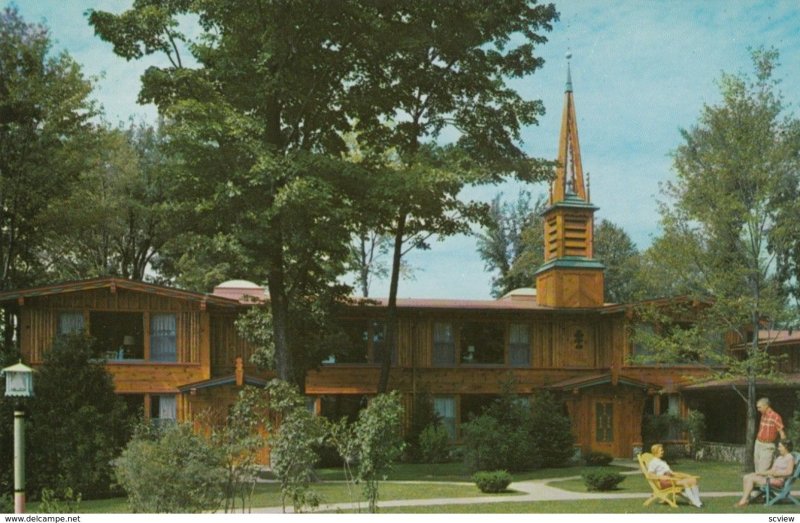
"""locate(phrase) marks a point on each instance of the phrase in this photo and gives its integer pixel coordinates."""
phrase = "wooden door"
(603, 425)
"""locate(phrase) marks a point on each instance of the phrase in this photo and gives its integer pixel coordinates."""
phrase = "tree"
(117, 216)
(512, 242)
(730, 169)
(259, 125)
(78, 425)
(616, 250)
(444, 65)
(45, 113)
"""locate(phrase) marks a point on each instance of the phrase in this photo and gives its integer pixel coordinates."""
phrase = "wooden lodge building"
(174, 353)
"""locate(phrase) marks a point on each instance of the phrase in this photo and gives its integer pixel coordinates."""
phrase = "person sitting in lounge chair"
(782, 468)
(660, 468)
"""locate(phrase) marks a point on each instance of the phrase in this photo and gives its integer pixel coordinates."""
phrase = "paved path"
(534, 490)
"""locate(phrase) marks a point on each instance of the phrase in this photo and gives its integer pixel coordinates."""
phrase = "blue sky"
(641, 71)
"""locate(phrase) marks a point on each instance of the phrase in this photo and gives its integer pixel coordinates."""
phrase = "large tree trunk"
(279, 305)
(391, 310)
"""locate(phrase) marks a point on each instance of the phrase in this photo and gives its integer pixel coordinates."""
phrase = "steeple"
(570, 277)
(569, 173)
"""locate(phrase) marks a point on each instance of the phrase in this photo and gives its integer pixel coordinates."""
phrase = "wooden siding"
(227, 345)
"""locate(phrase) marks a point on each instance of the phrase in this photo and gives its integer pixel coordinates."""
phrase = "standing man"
(771, 425)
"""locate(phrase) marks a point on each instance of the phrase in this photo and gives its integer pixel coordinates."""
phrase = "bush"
(177, 472)
(77, 424)
(66, 503)
(434, 444)
(423, 415)
(492, 482)
(552, 438)
(602, 481)
(597, 459)
(491, 445)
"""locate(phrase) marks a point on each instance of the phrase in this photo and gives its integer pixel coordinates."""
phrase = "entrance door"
(603, 425)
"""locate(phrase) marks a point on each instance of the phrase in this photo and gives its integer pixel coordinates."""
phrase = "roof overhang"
(221, 382)
(787, 381)
(596, 380)
(113, 284)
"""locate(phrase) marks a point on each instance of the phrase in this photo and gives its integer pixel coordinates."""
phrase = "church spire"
(570, 276)
(569, 172)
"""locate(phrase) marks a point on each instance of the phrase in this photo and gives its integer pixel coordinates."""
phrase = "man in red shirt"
(768, 430)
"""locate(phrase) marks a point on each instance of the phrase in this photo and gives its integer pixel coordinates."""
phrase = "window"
(604, 422)
(379, 344)
(482, 343)
(578, 339)
(444, 347)
(120, 334)
(519, 345)
(70, 322)
(163, 337)
(445, 408)
(362, 342)
(163, 410)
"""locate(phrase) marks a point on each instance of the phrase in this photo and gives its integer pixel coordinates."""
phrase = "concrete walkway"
(534, 490)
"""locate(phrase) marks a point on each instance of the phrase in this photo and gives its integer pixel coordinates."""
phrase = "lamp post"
(19, 384)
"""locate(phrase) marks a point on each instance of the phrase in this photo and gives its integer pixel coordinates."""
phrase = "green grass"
(714, 477)
(603, 506)
(268, 495)
(456, 472)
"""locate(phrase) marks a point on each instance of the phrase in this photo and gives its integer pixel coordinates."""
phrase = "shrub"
(602, 480)
(78, 425)
(597, 459)
(551, 433)
(491, 445)
(66, 503)
(423, 415)
(6, 503)
(179, 471)
(434, 444)
(492, 482)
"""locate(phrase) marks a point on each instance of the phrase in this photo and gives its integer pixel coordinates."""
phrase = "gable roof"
(594, 380)
(113, 284)
(221, 381)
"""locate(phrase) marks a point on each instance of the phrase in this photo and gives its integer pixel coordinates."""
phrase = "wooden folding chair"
(773, 494)
(667, 494)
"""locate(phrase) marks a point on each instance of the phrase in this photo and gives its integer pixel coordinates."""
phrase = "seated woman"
(781, 469)
(660, 468)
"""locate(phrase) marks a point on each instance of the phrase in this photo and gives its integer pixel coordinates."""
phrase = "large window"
(163, 337)
(120, 334)
(482, 343)
(364, 341)
(70, 322)
(519, 345)
(445, 408)
(444, 346)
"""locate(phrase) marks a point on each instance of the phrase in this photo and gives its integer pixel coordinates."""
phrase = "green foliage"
(513, 434)
(512, 243)
(45, 115)
(434, 444)
(240, 440)
(551, 433)
(793, 427)
(293, 445)
(78, 425)
(65, 503)
(6, 503)
(621, 258)
(378, 442)
(179, 472)
(492, 482)
(119, 204)
(423, 415)
(602, 481)
(597, 459)
(695, 425)
(727, 226)
(658, 428)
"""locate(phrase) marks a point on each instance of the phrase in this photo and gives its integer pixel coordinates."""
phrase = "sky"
(641, 71)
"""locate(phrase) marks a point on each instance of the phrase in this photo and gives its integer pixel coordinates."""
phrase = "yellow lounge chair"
(667, 494)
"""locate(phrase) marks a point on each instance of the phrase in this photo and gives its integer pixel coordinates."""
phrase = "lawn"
(714, 477)
(268, 495)
(604, 506)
